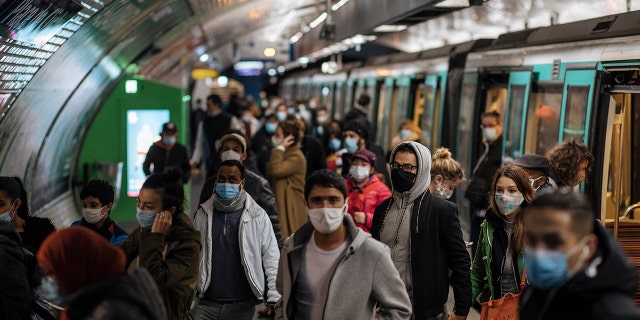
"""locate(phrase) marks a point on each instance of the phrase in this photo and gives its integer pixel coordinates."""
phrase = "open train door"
(515, 117)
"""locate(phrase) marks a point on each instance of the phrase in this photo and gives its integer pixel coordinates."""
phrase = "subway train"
(573, 81)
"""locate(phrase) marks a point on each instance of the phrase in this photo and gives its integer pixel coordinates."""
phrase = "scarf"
(230, 205)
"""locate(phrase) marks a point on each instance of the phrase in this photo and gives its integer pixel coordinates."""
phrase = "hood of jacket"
(423, 178)
(614, 273)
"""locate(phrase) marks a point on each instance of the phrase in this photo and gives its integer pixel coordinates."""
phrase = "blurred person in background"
(313, 151)
(210, 130)
(261, 144)
(286, 172)
(246, 123)
(570, 162)
(167, 153)
(537, 168)
(356, 137)
(15, 296)
(97, 201)
(365, 191)
(446, 174)
(166, 244)
(85, 274)
(333, 149)
(14, 208)
(409, 131)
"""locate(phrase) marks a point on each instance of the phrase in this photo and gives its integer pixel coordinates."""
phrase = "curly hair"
(520, 177)
(292, 127)
(565, 160)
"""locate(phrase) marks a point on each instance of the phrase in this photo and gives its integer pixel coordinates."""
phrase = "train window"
(575, 113)
(543, 119)
(496, 100)
(465, 125)
(426, 119)
(514, 131)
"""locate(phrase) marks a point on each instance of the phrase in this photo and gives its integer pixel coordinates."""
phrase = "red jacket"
(366, 199)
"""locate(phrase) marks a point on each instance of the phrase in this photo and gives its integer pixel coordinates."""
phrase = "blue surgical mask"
(281, 115)
(145, 217)
(270, 127)
(6, 217)
(351, 144)
(168, 140)
(335, 144)
(508, 203)
(227, 190)
(549, 268)
(404, 133)
(50, 291)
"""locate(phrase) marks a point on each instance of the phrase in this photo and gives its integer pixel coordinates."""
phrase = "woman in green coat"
(497, 265)
(166, 244)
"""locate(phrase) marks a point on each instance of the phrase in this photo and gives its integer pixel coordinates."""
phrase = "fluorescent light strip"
(338, 5)
(318, 20)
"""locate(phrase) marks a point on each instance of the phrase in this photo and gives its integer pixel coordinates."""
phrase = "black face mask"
(401, 180)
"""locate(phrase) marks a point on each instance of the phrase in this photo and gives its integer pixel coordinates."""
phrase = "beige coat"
(286, 172)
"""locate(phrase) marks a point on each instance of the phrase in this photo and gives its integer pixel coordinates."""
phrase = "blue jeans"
(219, 310)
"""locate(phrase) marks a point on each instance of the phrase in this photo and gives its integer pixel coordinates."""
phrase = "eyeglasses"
(404, 167)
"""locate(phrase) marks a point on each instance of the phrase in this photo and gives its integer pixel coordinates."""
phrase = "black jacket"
(36, 230)
(355, 114)
(314, 152)
(15, 294)
(162, 158)
(480, 185)
(261, 150)
(608, 295)
(260, 190)
(436, 248)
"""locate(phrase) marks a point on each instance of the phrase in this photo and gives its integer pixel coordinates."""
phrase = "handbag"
(505, 308)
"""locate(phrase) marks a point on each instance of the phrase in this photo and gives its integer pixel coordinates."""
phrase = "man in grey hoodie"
(424, 235)
(331, 269)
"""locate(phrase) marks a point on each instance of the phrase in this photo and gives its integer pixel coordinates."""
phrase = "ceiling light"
(269, 52)
(281, 69)
(271, 72)
(389, 28)
(303, 60)
(204, 57)
(223, 81)
(318, 20)
(295, 38)
(338, 5)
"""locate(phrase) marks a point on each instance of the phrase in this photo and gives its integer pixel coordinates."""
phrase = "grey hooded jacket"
(363, 279)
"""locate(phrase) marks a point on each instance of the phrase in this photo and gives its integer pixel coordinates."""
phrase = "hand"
(162, 222)
(269, 311)
(287, 141)
(453, 316)
(359, 217)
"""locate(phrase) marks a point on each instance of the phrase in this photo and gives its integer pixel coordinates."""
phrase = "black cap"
(169, 128)
(533, 161)
(358, 126)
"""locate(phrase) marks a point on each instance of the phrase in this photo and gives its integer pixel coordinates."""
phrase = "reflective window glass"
(514, 130)
(543, 119)
(575, 113)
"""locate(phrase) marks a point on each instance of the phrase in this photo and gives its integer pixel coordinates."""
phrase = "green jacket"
(172, 261)
(483, 277)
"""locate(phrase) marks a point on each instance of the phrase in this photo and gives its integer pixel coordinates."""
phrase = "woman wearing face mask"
(365, 191)
(86, 275)
(14, 209)
(446, 174)
(166, 243)
(409, 131)
(286, 171)
(497, 266)
(333, 147)
(97, 200)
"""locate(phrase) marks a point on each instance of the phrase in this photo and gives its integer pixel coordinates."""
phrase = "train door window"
(622, 167)
(395, 115)
(575, 113)
(338, 98)
(428, 115)
(543, 119)
(465, 121)
(438, 104)
(513, 132)
(419, 105)
(379, 122)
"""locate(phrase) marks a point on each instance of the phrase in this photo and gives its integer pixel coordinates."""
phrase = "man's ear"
(243, 157)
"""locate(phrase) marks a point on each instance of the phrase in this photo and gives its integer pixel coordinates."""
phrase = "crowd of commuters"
(304, 214)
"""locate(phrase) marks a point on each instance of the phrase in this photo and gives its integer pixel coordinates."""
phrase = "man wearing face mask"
(246, 123)
(97, 200)
(261, 144)
(575, 269)
(167, 153)
(241, 250)
(233, 147)
(484, 170)
(356, 137)
(211, 129)
(424, 235)
(329, 261)
(364, 188)
(537, 167)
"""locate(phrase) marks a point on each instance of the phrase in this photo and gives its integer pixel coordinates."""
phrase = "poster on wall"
(143, 129)
(35, 21)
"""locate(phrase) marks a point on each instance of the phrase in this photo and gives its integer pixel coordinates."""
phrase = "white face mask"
(443, 192)
(230, 155)
(490, 134)
(93, 215)
(359, 173)
(326, 220)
